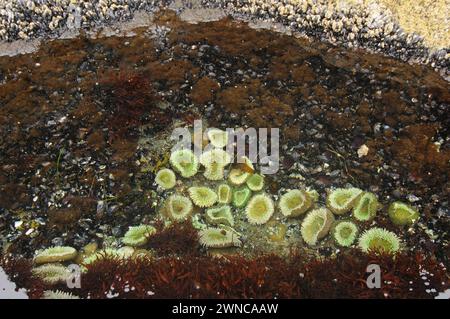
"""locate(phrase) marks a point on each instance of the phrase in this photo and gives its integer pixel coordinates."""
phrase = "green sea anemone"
(402, 214)
(295, 203)
(241, 196)
(345, 233)
(166, 178)
(366, 207)
(218, 138)
(255, 182)
(379, 240)
(184, 162)
(202, 196)
(213, 237)
(51, 274)
(58, 294)
(224, 194)
(197, 223)
(55, 254)
(138, 235)
(316, 225)
(259, 209)
(220, 215)
(106, 253)
(178, 207)
(342, 200)
(214, 162)
(237, 176)
(313, 194)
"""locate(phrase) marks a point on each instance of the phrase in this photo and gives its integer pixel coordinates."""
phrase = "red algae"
(263, 277)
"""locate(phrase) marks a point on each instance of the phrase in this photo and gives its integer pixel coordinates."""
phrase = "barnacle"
(202, 196)
(166, 178)
(215, 161)
(184, 162)
(55, 254)
(259, 209)
(366, 207)
(345, 233)
(224, 194)
(295, 202)
(241, 196)
(255, 182)
(178, 207)
(218, 138)
(402, 214)
(218, 237)
(379, 240)
(342, 200)
(316, 225)
(138, 235)
(220, 215)
(51, 273)
(58, 294)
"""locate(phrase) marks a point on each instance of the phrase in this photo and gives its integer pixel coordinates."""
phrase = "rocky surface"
(407, 31)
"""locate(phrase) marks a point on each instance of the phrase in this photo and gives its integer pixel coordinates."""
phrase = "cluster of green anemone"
(227, 189)
(363, 207)
(240, 187)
